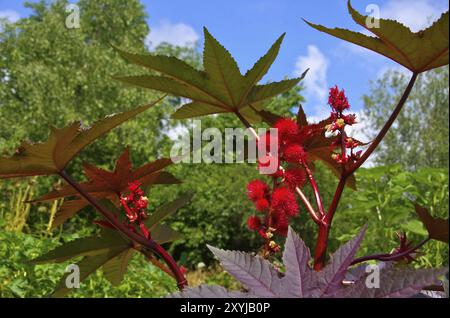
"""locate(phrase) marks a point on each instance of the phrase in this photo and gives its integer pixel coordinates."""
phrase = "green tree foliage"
(420, 136)
(53, 75)
(385, 201)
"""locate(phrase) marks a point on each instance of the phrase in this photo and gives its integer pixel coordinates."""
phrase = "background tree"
(420, 135)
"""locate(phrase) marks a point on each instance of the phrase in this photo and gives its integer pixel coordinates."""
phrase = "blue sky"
(248, 28)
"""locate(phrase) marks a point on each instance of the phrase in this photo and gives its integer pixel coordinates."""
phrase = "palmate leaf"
(63, 144)
(220, 88)
(437, 228)
(106, 184)
(261, 279)
(88, 246)
(254, 272)
(87, 266)
(417, 51)
(331, 277)
(109, 252)
(394, 283)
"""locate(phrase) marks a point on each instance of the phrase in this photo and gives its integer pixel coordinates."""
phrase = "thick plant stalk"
(146, 243)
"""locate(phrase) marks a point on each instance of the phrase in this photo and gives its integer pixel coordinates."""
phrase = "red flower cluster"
(135, 205)
(337, 100)
(338, 103)
(279, 204)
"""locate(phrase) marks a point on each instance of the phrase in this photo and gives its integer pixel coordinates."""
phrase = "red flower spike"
(295, 177)
(337, 99)
(257, 189)
(262, 205)
(254, 223)
(287, 130)
(294, 154)
(349, 119)
(284, 202)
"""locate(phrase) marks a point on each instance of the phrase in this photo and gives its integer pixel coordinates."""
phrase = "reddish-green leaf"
(417, 51)
(52, 156)
(437, 228)
(104, 184)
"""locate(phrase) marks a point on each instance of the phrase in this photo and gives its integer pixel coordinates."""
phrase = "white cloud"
(179, 34)
(10, 15)
(316, 85)
(415, 14)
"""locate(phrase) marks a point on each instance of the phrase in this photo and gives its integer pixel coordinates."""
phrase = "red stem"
(147, 243)
(315, 190)
(389, 257)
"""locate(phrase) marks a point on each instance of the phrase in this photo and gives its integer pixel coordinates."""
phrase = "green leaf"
(115, 268)
(89, 246)
(63, 144)
(263, 92)
(225, 78)
(168, 85)
(87, 266)
(220, 88)
(164, 234)
(256, 73)
(415, 226)
(196, 109)
(166, 210)
(417, 51)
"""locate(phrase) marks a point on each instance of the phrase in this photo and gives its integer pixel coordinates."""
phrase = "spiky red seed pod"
(262, 205)
(254, 223)
(287, 129)
(284, 202)
(295, 177)
(256, 190)
(337, 99)
(294, 153)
